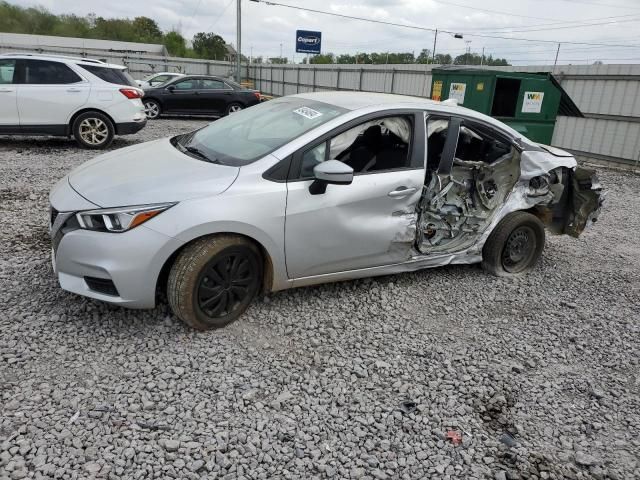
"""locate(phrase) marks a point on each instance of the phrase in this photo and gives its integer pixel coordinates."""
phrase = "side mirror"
(171, 88)
(330, 172)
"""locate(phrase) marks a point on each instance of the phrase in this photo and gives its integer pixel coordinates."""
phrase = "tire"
(514, 246)
(234, 108)
(93, 130)
(198, 276)
(152, 109)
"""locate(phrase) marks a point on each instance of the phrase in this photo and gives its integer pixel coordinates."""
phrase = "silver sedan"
(307, 189)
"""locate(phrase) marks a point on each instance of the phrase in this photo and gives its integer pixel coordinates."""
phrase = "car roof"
(206, 76)
(362, 100)
(62, 58)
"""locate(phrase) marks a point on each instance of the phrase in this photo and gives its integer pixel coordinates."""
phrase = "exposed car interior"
(381, 144)
(378, 145)
(462, 197)
(473, 145)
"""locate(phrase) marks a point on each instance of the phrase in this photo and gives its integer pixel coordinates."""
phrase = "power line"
(219, 16)
(426, 29)
(567, 22)
(610, 5)
(491, 11)
(195, 10)
(598, 24)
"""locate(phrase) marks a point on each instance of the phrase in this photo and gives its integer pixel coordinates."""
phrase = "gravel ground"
(361, 379)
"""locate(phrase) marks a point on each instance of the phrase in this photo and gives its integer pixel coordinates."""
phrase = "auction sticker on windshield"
(307, 112)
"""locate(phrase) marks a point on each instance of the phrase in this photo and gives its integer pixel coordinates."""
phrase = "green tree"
(114, 29)
(345, 58)
(476, 59)
(147, 30)
(278, 60)
(38, 21)
(209, 45)
(443, 59)
(424, 56)
(175, 43)
(322, 58)
(72, 26)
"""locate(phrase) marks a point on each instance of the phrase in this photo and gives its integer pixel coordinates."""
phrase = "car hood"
(151, 172)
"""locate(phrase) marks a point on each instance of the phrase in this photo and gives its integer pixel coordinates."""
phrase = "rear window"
(235, 85)
(111, 75)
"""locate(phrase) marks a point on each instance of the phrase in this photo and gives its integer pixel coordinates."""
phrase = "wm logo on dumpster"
(534, 96)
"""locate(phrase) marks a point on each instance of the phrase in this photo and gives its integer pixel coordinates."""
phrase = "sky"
(266, 29)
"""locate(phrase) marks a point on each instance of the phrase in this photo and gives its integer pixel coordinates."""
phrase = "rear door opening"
(471, 170)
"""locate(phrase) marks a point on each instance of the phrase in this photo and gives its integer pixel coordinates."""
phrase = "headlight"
(119, 219)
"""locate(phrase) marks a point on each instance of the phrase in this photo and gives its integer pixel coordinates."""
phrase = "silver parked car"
(308, 189)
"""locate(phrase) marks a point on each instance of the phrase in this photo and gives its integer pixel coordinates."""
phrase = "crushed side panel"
(457, 208)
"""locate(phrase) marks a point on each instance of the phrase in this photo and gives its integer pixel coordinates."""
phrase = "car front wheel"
(514, 246)
(213, 281)
(93, 130)
(152, 109)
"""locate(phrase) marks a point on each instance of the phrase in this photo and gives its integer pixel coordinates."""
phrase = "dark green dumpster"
(527, 102)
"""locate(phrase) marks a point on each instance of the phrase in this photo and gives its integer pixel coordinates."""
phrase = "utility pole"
(556, 60)
(435, 39)
(482, 59)
(280, 53)
(238, 46)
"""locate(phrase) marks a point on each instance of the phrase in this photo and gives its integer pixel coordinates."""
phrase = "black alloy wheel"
(227, 282)
(214, 279)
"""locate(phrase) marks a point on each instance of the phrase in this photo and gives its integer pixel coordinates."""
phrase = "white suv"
(64, 96)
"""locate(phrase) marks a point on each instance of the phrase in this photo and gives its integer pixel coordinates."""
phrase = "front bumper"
(131, 260)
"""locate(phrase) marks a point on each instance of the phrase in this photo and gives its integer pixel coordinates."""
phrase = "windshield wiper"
(197, 152)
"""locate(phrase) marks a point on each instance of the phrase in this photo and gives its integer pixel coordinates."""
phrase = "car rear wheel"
(93, 130)
(234, 108)
(152, 109)
(514, 246)
(213, 281)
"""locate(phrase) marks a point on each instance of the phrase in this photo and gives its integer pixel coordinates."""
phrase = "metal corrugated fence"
(139, 64)
(608, 96)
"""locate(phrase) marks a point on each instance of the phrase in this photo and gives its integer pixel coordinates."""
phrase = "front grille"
(63, 223)
(102, 285)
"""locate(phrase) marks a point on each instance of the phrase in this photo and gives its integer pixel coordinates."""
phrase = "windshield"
(246, 136)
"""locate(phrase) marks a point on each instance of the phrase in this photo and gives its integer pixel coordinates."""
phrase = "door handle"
(73, 90)
(6, 90)
(402, 192)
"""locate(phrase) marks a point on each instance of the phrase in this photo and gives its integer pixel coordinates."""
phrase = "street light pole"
(556, 60)
(238, 45)
(435, 39)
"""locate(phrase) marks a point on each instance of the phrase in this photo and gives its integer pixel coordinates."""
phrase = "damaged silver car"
(308, 189)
